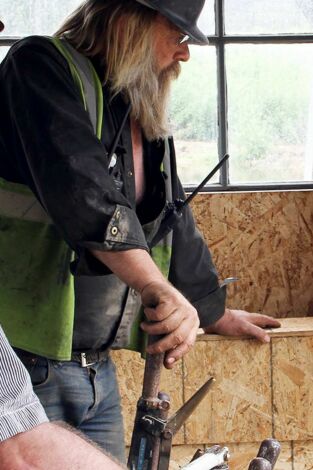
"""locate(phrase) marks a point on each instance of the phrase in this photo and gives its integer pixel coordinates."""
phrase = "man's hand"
(175, 318)
(242, 323)
(172, 316)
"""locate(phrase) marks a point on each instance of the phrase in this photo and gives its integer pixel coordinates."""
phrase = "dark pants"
(85, 397)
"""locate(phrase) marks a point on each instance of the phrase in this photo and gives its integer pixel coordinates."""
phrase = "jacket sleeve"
(192, 270)
(59, 157)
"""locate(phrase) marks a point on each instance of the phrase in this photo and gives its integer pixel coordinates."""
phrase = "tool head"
(182, 13)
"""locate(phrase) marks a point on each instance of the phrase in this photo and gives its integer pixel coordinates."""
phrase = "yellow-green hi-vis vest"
(36, 286)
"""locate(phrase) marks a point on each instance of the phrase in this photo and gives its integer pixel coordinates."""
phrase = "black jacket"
(47, 142)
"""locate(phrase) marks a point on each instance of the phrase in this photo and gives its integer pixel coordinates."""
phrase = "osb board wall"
(261, 390)
(265, 239)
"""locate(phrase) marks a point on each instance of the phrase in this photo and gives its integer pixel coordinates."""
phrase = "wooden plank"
(239, 405)
(303, 455)
(302, 326)
(292, 360)
(130, 369)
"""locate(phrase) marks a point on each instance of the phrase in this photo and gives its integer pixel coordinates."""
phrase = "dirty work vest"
(36, 287)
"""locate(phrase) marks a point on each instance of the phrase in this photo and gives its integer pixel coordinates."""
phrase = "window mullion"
(221, 90)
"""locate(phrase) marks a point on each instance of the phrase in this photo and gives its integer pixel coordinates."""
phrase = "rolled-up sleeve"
(192, 270)
(59, 156)
(20, 409)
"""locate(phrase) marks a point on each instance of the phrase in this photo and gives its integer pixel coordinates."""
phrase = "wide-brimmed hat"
(183, 13)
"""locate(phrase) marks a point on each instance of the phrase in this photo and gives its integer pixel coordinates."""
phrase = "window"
(249, 94)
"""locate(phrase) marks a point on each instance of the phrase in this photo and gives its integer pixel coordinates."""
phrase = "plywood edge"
(289, 327)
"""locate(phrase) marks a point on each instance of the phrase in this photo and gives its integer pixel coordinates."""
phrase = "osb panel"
(238, 408)
(130, 369)
(265, 239)
(303, 455)
(242, 454)
(292, 388)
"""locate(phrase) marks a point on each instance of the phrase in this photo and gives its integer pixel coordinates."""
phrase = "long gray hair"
(120, 33)
(109, 29)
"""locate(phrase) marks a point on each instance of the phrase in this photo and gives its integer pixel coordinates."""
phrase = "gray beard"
(149, 97)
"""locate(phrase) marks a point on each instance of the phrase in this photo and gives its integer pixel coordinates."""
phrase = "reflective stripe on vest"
(22, 206)
(86, 80)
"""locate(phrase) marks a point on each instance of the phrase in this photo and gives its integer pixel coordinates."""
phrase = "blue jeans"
(85, 397)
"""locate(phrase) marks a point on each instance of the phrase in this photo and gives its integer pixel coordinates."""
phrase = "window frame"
(219, 41)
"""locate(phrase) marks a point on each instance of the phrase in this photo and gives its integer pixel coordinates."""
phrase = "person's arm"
(27, 440)
(20, 409)
(193, 272)
(52, 447)
(54, 151)
(174, 316)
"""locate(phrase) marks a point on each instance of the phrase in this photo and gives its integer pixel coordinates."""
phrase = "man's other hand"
(171, 316)
(242, 323)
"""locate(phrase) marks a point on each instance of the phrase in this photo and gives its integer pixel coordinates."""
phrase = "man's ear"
(1, 26)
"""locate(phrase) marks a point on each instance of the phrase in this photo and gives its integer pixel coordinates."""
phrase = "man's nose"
(182, 54)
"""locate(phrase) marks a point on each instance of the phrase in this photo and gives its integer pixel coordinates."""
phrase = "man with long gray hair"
(88, 159)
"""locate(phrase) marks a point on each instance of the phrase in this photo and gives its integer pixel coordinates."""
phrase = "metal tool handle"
(152, 373)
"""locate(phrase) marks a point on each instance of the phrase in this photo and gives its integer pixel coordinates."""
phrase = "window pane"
(22, 18)
(206, 20)
(268, 16)
(3, 52)
(194, 115)
(270, 96)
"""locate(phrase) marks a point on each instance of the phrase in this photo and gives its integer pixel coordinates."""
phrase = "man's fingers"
(171, 341)
(266, 321)
(161, 312)
(163, 327)
(256, 332)
(171, 357)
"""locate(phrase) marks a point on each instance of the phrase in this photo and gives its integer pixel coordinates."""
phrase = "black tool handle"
(204, 182)
(175, 209)
(270, 450)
